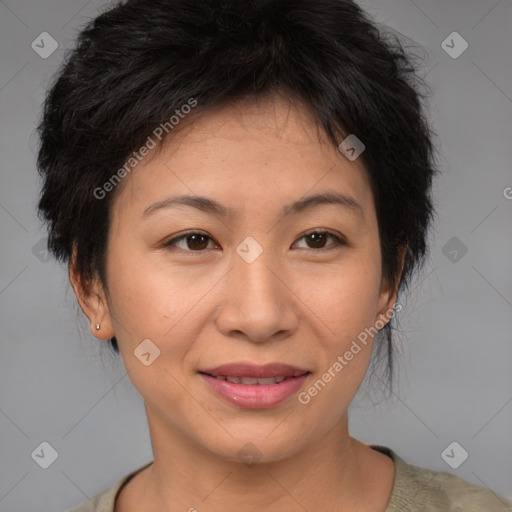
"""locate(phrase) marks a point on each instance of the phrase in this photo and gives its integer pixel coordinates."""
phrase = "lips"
(250, 374)
(261, 395)
(250, 386)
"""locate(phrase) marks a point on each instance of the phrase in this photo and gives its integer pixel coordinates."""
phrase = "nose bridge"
(258, 303)
(254, 275)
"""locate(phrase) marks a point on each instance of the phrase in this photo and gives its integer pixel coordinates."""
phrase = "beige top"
(415, 489)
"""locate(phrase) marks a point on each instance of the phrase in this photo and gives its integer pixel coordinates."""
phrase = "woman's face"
(250, 287)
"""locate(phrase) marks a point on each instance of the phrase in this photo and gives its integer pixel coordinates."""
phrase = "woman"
(240, 191)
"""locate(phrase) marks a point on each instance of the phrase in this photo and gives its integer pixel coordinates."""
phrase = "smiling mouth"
(254, 381)
(255, 387)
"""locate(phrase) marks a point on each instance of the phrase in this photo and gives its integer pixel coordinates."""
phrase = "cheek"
(345, 297)
(164, 304)
(347, 305)
(346, 302)
(146, 300)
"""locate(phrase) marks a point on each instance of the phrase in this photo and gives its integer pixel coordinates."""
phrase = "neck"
(329, 474)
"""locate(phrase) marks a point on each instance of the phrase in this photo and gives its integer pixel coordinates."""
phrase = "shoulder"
(105, 501)
(429, 490)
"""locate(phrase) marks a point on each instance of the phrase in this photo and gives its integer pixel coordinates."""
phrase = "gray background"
(59, 385)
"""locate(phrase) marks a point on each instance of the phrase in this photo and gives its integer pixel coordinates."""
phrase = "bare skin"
(373, 476)
(298, 303)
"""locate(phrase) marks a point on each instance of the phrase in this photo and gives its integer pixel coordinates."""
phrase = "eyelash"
(339, 240)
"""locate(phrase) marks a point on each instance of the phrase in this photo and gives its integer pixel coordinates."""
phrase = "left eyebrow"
(211, 206)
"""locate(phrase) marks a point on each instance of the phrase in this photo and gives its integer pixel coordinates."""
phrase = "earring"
(97, 327)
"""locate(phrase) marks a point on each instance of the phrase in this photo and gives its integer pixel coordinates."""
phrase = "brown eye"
(317, 239)
(194, 241)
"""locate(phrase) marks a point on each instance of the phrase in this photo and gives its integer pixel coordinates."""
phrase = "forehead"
(252, 153)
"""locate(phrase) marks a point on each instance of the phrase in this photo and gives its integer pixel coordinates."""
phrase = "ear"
(93, 302)
(389, 293)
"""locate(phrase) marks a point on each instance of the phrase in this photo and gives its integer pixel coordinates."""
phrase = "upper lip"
(252, 370)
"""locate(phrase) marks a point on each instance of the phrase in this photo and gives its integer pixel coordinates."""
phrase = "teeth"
(251, 381)
(269, 380)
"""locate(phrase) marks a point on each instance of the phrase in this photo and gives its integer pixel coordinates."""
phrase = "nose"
(258, 302)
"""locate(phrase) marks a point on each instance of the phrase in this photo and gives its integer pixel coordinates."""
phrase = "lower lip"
(255, 396)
